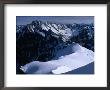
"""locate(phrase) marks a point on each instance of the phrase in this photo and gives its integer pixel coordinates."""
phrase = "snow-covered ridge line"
(79, 57)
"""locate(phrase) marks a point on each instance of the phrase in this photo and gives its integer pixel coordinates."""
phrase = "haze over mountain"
(23, 20)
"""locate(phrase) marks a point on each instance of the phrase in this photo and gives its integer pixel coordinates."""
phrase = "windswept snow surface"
(72, 57)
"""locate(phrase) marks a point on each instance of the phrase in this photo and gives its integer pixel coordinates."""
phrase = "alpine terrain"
(53, 48)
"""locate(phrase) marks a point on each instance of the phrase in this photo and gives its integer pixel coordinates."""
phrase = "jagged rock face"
(34, 46)
(41, 40)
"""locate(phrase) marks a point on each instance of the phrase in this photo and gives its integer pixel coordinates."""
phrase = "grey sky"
(23, 20)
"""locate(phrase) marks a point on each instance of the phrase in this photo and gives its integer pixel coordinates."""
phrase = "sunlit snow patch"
(61, 69)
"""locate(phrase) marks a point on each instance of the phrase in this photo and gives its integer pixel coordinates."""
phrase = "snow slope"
(72, 57)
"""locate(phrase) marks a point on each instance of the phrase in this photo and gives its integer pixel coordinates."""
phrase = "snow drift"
(72, 57)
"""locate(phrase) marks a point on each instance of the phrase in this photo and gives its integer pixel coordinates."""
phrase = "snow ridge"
(78, 58)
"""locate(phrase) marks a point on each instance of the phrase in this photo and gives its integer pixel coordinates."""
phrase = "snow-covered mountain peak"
(60, 29)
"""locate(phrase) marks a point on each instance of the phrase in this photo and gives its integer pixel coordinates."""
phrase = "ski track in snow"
(68, 59)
